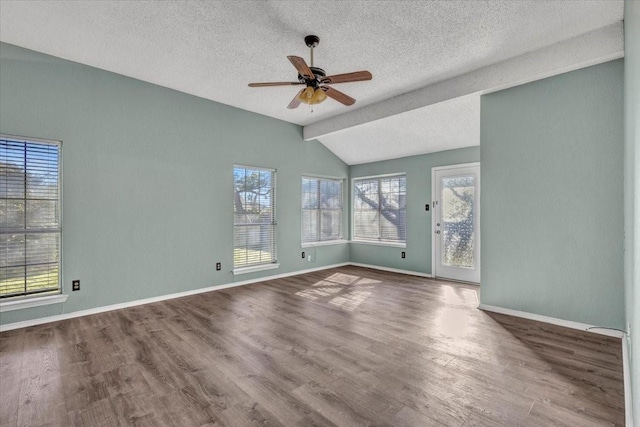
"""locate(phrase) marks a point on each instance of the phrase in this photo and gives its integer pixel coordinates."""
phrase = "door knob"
(437, 231)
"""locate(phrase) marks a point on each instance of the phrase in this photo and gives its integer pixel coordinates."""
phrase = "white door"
(456, 222)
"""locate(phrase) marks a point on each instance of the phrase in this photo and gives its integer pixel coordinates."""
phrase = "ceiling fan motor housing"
(318, 72)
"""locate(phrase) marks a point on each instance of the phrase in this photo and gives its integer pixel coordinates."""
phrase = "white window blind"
(379, 209)
(321, 209)
(30, 217)
(254, 213)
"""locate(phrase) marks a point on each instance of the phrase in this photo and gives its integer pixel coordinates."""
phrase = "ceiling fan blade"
(295, 102)
(301, 66)
(338, 96)
(275, 84)
(357, 76)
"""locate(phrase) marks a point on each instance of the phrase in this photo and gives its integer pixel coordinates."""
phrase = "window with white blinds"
(254, 213)
(30, 217)
(379, 209)
(321, 209)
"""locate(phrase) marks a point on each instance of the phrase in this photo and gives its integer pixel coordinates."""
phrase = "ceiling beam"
(591, 48)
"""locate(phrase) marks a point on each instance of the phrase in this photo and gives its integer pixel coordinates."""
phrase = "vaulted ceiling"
(430, 60)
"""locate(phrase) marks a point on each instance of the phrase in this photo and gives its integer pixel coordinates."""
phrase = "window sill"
(254, 268)
(324, 243)
(374, 243)
(32, 302)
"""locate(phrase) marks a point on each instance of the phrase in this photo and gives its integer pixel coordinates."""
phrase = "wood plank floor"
(341, 347)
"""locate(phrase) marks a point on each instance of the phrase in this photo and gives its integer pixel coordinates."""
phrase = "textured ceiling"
(213, 49)
(443, 126)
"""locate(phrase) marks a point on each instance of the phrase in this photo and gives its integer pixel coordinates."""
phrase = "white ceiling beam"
(592, 48)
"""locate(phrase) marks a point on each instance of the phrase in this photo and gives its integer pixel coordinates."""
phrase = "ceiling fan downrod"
(312, 41)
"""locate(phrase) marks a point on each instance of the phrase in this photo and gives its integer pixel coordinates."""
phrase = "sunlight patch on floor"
(345, 291)
(452, 322)
(344, 279)
(457, 296)
(351, 300)
(316, 293)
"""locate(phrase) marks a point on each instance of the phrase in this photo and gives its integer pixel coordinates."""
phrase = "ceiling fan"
(316, 81)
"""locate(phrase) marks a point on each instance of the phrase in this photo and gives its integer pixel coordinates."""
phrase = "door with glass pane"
(456, 222)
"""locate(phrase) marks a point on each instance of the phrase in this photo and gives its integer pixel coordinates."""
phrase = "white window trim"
(341, 240)
(353, 213)
(274, 264)
(325, 243)
(379, 243)
(254, 268)
(383, 175)
(20, 302)
(28, 302)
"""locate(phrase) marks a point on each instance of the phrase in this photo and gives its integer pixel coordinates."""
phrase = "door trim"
(433, 215)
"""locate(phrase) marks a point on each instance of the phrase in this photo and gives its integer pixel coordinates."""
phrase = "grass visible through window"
(36, 282)
(250, 256)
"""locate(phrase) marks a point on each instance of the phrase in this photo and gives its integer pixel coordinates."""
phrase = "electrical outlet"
(218, 266)
(75, 285)
(303, 255)
(309, 258)
(404, 254)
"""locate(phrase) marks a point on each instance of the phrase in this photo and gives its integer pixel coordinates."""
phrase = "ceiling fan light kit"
(316, 80)
(312, 96)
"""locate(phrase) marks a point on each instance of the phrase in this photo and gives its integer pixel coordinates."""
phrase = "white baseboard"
(392, 270)
(49, 319)
(485, 307)
(626, 371)
(553, 321)
(56, 318)
(582, 327)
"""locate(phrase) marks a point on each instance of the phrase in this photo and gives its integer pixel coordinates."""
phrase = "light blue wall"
(552, 197)
(632, 190)
(148, 196)
(418, 170)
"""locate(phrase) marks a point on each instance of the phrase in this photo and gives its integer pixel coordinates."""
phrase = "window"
(30, 217)
(379, 209)
(254, 213)
(321, 209)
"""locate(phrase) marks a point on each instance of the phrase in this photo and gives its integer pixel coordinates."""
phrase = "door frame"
(434, 189)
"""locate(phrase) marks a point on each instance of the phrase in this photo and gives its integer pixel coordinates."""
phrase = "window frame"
(34, 299)
(273, 263)
(379, 241)
(319, 210)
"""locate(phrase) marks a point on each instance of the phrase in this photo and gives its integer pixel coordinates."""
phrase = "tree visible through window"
(29, 217)
(321, 209)
(457, 221)
(254, 226)
(379, 209)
